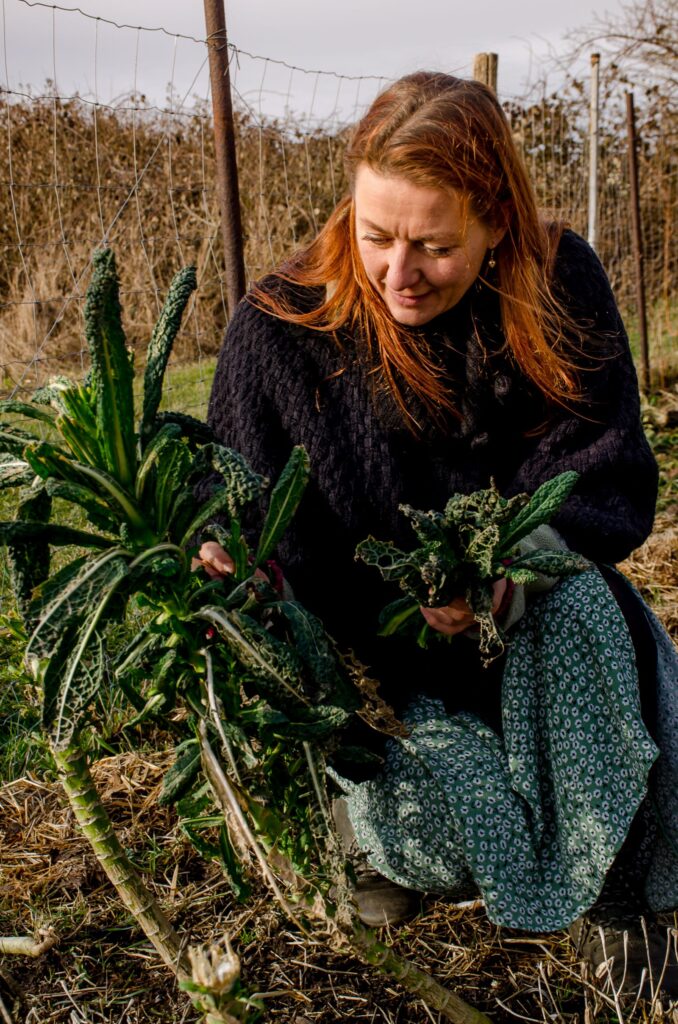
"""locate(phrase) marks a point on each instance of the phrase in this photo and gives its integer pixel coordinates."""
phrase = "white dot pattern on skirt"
(534, 821)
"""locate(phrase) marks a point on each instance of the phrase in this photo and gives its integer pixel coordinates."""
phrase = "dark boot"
(635, 957)
(379, 901)
(626, 945)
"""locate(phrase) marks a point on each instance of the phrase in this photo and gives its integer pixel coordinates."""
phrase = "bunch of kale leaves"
(463, 550)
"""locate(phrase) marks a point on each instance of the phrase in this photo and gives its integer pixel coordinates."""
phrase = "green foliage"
(464, 550)
(160, 347)
(259, 669)
(112, 372)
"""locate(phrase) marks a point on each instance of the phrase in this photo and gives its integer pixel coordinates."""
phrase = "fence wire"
(78, 171)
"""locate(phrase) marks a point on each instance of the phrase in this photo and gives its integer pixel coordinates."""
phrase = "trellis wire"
(146, 186)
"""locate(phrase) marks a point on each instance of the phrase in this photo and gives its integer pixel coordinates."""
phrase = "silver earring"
(491, 261)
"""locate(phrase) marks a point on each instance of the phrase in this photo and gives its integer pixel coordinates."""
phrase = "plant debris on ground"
(102, 969)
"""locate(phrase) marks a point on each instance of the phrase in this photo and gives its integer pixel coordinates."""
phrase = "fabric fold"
(534, 821)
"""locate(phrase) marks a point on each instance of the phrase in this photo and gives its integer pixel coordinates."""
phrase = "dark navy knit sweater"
(277, 385)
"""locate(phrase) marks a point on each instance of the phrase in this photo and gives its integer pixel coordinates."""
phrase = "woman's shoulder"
(582, 284)
(259, 303)
(255, 322)
(260, 340)
(576, 262)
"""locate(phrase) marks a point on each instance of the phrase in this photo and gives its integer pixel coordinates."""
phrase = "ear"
(497, 235)
(499, 226)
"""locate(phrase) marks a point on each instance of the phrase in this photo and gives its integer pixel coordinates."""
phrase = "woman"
(437, 334)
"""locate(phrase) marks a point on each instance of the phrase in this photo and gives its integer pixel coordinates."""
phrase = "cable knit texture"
(278, 385)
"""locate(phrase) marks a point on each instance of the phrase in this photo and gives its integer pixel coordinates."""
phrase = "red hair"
(447, 133)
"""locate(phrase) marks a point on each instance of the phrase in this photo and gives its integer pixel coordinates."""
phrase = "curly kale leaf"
(464, 550)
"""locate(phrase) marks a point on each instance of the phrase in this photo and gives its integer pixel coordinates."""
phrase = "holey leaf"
(276, 665)
(97, 579)
(79, 678)
(242, 484)
(314, 647)
(70, 683)
(285, 499)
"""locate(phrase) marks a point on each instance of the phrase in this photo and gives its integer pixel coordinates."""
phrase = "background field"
(73, 173)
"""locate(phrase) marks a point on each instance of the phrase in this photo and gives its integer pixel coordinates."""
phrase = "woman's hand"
(216, 562)
(457, 616)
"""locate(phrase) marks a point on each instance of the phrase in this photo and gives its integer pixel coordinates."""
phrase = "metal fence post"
(485, 66)
(593, 150)
(636, 230)
(224, 138)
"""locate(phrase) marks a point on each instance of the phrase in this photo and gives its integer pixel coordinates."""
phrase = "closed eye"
(436, 250)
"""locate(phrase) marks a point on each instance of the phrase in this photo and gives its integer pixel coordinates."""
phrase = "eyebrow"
(450, 239)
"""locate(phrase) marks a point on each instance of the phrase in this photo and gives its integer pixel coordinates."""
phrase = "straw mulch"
(102, 969)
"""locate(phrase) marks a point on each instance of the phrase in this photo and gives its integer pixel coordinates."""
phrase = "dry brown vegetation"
(100, 969)
(74, 174)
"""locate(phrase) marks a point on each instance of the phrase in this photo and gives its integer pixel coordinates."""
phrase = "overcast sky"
(384, 38)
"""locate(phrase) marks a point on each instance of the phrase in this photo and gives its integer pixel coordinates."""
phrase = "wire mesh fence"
(77, 171)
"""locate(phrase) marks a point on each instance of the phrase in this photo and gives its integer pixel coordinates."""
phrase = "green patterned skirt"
(533, 821)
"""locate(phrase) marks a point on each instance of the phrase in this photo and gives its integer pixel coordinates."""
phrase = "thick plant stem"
(96, 825)
(361, 939)
(413, 979)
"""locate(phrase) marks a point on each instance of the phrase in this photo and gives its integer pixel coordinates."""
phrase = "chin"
(412, 317)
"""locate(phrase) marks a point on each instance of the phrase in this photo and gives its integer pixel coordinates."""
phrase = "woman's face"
(422, 248)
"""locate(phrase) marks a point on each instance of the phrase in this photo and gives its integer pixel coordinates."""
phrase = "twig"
(4, 1012)
(26, 945)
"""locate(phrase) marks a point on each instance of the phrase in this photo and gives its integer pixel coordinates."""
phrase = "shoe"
(635, 956)
(378, 900)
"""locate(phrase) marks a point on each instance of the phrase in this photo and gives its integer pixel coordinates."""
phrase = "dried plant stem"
(223, 791)
(96, 826)
(363, 941)
(26, 945)
(414, 980)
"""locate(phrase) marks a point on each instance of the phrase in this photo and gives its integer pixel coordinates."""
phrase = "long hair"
(435, 130)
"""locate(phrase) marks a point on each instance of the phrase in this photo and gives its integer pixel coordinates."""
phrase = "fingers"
(457, 616)
(450, 620)
(214, 560)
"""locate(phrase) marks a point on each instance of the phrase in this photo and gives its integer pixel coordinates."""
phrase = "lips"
(409, 300)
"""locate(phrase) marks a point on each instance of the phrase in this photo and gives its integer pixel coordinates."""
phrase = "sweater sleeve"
(611, 510)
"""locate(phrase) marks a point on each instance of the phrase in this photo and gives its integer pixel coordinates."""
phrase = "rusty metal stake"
(224, 139)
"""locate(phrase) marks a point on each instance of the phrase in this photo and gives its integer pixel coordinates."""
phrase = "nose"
(403, 267)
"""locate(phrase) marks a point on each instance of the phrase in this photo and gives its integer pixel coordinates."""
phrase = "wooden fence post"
(224, 138)
(485, 69)
(636, 230)
(593, 150)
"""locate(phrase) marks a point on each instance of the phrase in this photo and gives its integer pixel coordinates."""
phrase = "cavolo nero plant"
(464, 550)
(247, 680)
(257, 671)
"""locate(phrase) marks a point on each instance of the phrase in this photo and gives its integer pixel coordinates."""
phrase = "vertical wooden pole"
(636, 228)
(593, 150)
(485, 66)
(224, 137)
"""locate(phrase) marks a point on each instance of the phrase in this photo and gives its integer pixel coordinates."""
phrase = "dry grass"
(101, 969)
(146, 182)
